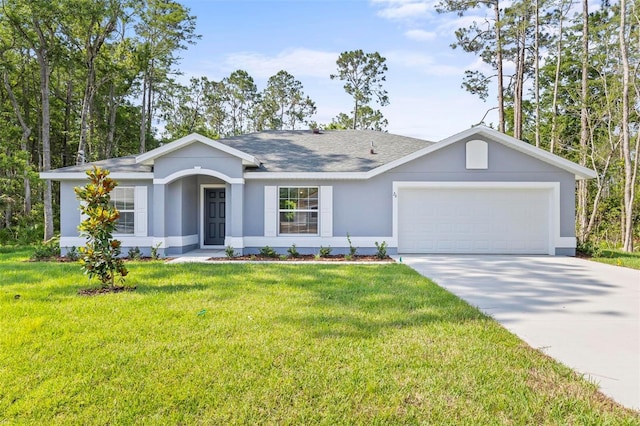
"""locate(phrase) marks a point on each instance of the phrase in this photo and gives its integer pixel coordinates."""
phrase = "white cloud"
(404, 11)
(298, 62)
(422, 62)
(420, 35)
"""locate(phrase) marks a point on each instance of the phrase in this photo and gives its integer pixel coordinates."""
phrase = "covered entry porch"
(197, 209)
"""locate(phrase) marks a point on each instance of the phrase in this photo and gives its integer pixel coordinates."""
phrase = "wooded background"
(88, 80)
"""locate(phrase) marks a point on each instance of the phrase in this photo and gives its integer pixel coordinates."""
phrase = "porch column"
(159, 231)
(236, 228)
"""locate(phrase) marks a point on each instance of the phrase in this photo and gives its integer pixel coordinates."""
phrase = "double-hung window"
(122, 198)
(298, 210)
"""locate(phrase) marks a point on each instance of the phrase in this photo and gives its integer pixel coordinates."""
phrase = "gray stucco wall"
(70, 206)
(364, 207)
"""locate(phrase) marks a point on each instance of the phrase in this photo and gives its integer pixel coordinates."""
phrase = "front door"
(214, 218)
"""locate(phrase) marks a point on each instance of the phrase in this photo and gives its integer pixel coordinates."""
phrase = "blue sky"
(305, 37)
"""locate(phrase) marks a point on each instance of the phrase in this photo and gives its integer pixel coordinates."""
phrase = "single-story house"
(476, 192)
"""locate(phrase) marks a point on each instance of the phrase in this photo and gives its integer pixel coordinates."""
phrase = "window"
(298, 210)
(122, 198)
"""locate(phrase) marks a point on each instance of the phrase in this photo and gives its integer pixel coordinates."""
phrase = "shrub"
(47, 249)
(267, 251)
(381, 252)
(293, 251)
(325, 251)
(589, 248)
(72, 253)
(352, 250)
(229, 251)
(134, 253)
(100, 256)
(155, 254)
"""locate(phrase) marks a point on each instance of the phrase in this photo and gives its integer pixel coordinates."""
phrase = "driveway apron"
(582, 313)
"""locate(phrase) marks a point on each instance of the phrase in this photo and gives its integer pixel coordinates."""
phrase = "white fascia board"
(148, 157)
(83, 176)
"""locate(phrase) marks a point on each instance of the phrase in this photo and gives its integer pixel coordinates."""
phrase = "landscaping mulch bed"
(104, 290)
(304, 258)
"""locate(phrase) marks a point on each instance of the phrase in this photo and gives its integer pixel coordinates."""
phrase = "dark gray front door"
(214, 216)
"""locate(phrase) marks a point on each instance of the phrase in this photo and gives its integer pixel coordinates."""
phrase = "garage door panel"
(464, 220)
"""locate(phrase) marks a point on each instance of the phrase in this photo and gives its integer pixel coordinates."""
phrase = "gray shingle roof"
(328, 151)
(298, 151)
(114, 165)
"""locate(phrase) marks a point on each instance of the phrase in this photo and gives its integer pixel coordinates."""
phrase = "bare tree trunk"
(584, 131)
(84, 119)
(143, 124)
(518, 90)
(496, 9)
(556, 81)
(537, 72)
(111, 132)
(627, 233)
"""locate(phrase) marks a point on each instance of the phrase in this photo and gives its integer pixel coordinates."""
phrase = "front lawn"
(619, 258)
(276, 344)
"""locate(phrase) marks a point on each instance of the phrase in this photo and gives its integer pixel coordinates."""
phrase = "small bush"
(46, 250)
(324, 251)
(588, 248)
(72, 253)
(134, 253)
(230, 252)
(155, 254)
(293, 251)
(267, 251)
(352, 250)
(381, 252)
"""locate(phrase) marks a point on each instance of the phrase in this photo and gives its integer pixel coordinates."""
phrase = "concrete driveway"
(582, 313)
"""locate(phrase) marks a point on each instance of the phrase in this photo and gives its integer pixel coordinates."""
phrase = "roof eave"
(82, 175)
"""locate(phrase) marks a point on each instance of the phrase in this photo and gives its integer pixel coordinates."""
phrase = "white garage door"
(464, 220)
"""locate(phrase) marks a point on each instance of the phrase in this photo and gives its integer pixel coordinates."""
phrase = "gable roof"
(579, 171)
(302, 154)
(148, 157)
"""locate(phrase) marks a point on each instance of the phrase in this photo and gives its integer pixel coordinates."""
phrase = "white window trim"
(131, 234)
(279, 210)
(272, 212)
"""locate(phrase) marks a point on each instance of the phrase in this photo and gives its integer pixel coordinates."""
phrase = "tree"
(240, 94)
(285, 103)
(165, 27)
(94, 22)
(368, 119)
(487, 42)
(100, 256)
(363, 75)
(37, 22)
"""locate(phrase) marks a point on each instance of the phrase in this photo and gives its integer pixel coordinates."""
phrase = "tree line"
(88, 80)
(565, 78)
(83, 81)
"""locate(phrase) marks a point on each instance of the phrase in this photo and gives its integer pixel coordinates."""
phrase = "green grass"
(619, 258)
(275, 344)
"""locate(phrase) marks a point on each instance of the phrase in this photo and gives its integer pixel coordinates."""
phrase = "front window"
(122, 198)
(298, 210)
